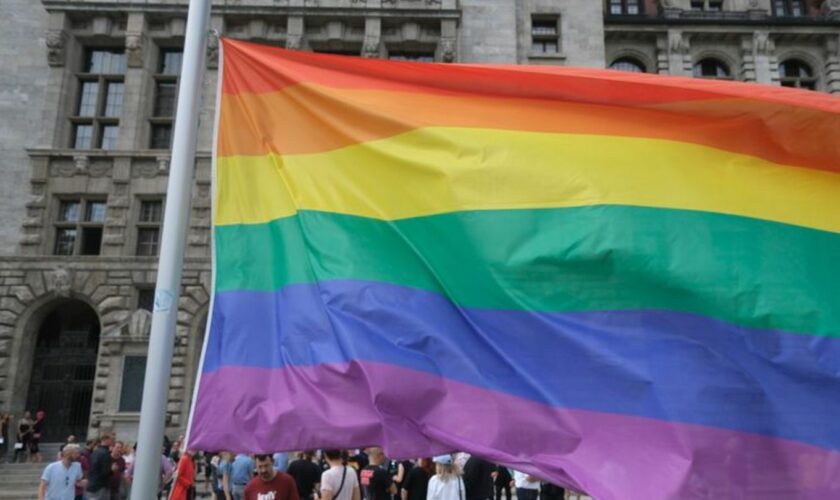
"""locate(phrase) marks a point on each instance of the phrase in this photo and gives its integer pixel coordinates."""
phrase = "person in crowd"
(339, 482)
(270, 484)
(376, 482)
(527, 486)
(549, 491)
(447, 483)
(60, 478)
(208, 459)
(166, 471)
(99, 476)
(306, 474)
(118, 468)
(84, 461)
(397, 472)
(281, 461)
(184, 487)
(502, 482)
(478, 478)
(68, 440)
(241, 472)
(24, 436)
(5, 424)
(416, 483)
(37, 430)
(358, 460)
(222, 482)
(175, 452)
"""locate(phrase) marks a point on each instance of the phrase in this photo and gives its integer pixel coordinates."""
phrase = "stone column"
(372, 46)
(138, 76)
(758, 62)
(832, 64)
(674, 57)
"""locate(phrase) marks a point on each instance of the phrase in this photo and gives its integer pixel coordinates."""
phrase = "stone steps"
(19, 481)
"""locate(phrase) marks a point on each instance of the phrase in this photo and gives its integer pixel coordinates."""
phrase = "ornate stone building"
(87, 98)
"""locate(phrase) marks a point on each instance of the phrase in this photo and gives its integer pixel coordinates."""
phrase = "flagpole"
(173, 240)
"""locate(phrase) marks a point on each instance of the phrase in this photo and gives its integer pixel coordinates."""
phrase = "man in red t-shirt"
(269, 484)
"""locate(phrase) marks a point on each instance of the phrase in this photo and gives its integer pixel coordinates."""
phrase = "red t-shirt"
(282, 487)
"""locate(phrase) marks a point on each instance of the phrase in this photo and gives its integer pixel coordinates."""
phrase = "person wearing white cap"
(446, 484)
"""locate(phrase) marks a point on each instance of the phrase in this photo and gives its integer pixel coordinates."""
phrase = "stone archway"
(63, 367)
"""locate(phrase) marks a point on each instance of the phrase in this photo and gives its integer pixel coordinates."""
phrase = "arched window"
(795, 73)
(628, 64)
(712, 68)
(789, 8)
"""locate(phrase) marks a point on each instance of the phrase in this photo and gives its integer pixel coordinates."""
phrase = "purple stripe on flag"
(413, 413)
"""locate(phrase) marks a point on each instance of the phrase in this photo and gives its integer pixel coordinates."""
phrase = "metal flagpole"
(173, 240)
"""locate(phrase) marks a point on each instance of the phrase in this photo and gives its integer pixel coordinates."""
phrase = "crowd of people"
(103, 469)
(27, 435)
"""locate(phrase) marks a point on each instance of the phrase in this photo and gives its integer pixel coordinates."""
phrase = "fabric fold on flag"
(626, 284)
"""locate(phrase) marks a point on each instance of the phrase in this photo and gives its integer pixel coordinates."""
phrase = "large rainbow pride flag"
(627, 284)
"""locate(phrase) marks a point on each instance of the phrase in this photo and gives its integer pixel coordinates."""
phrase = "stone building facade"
(87, 95)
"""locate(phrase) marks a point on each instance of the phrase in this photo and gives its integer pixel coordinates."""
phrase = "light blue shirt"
(281, 462)
(242, 470)
(61, 480)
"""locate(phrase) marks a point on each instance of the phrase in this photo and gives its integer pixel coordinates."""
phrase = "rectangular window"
(625, 7)
(100, 102)
(146, 298)
(79, 226)
(412, 56)
(789, 8)
(133, 375)
(165, 100)
(545, 35)
(148, 227)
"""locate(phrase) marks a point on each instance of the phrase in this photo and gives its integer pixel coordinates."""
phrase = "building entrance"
(63, 369)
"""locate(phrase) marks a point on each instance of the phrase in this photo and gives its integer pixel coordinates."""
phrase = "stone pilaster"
(673, 53)
(832, 64)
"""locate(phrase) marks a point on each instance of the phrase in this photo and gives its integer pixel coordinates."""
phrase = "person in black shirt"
(416, 483)
(502, 482)
(99, 475)
(307, 475)
(478, 479)
(377, 483)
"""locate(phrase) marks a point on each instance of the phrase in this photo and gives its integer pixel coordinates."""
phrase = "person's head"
(444, 467)
(71, 438)
(40, 415)
(26, 414)
(91, 444)
(117, 448)
(426, 464)
(265, 467)
(375, 455)
(334, 456)
(106, 439)
(70, 452)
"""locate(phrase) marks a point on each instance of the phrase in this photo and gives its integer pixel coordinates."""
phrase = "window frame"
(629, 60)
(788, 8)
(799, 82)
(624, 7)
(729, 75)
(162, 77)
(545, 39)
(79, 225)
(141, 225)
(99, 120)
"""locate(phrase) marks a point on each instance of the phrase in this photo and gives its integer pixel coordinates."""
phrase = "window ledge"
(553, 57)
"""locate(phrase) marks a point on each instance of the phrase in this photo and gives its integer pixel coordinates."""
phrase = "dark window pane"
(716, 5)
(87, 99)
(628, 64)
(146, 299)
(91, 240)
(95, 211)
(615, 7)
(110, 133)
(147, 241)
(114, 99)
(161, 136)
(165, 99)
(711, 68)
(633, 7)
(412, 56)
(170, 62)
(68, 211)
(541, 27)
(65, 241)
(131, 392)
(151, 211)
(83, 136)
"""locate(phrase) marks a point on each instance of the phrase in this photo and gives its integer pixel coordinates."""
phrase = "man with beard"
(269, 484)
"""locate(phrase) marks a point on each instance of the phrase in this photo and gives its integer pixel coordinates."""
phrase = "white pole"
(173, 240)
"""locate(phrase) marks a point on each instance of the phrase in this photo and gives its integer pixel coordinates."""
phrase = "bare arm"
(403, 494)
(42, 489)
(326, 495)
(226, 485)
(356, 494)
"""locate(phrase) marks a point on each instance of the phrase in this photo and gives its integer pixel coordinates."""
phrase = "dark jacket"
(99, 475)
(478, 481)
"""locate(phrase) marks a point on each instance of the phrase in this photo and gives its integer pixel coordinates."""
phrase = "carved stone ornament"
(294, 42)
(370, 48)
(754, 4)
(58, 281)
(213, 50)
(447, 50)
(81, 163)
(140, 323)
(134, 49)
(162, 164)
(832, 8)
(55, 47)
(762, 43)
(677, 42)
(670, 4)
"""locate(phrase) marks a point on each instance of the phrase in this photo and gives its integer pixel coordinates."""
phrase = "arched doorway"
(63, 369)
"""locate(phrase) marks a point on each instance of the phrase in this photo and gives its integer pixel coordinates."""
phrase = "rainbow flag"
(627, 284)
